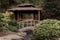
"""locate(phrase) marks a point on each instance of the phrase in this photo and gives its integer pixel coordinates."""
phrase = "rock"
(22, 34)
(28, 30)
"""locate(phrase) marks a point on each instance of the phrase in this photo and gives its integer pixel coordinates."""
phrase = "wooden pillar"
(33, 16)
(14, 16)
(18, 16)
(39, 15)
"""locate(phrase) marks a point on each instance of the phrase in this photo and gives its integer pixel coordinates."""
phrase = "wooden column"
(39, 15)
(14, 17)
(18, 16)
(33, 16)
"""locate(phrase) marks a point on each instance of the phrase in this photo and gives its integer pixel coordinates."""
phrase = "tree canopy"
(7, 3)
(51, 7)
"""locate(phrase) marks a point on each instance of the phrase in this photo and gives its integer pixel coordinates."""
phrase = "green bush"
(7, 22)
(13, 26)
(47, 29)
(3, 27)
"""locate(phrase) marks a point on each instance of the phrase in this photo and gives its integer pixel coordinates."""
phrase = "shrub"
(13, 26)
(47, 29)
(3, 27)
(7, 22)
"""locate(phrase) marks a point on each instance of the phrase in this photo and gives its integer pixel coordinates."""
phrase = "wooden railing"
(28, 23)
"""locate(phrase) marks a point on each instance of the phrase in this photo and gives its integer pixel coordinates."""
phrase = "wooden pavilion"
(26, 12)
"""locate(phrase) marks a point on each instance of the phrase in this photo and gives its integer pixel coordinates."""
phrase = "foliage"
(13, 26)
(37, 3)
(2, 24)
(5, 4)
(47, 29)
(7, 23)
(52, 9)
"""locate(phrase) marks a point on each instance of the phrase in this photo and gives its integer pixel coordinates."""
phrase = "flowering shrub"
(7, 22)
(47, 29)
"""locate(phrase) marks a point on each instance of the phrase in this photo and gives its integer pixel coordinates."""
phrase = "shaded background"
(50, 8)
